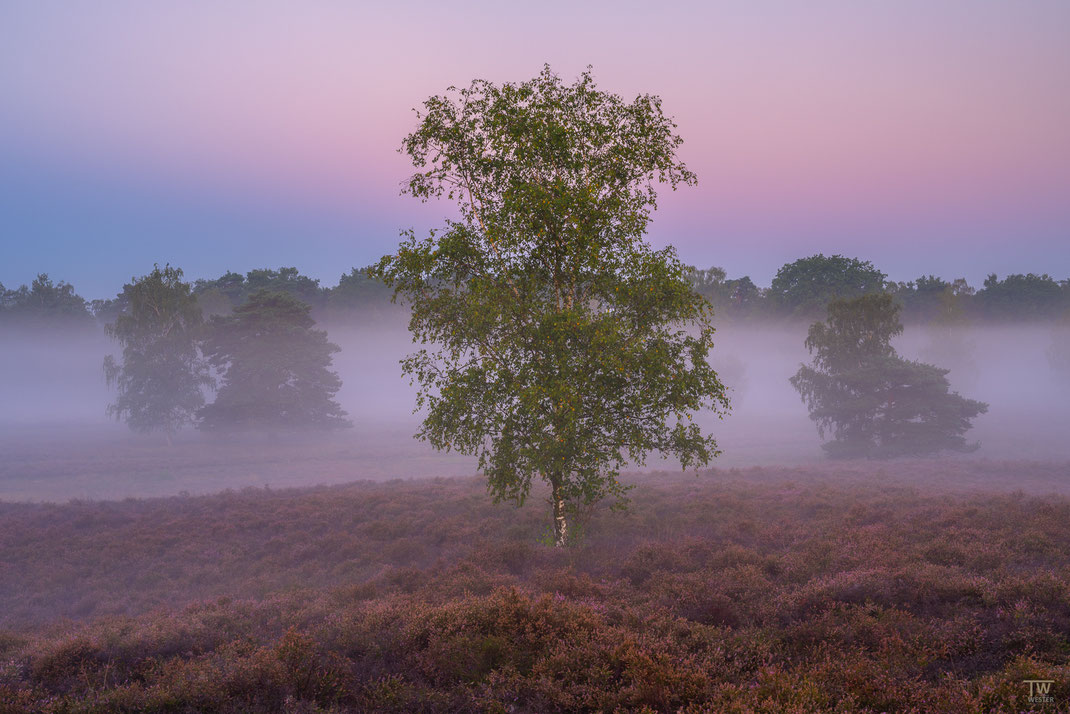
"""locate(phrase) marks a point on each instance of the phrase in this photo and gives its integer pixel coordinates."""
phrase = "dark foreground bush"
(719, 595)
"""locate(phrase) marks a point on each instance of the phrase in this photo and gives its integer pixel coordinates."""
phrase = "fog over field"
(59, 444)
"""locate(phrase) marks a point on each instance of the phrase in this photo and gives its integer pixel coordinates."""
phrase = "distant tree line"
(801, 290)
(356, 294)
(251, 340)
(267, 364)
(44, 302)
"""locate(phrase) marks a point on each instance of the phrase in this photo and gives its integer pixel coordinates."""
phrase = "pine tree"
(274, 368)
(873, 402)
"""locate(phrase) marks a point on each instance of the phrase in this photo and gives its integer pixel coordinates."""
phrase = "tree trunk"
(560, 522)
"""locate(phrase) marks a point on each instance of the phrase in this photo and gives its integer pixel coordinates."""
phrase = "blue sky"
(928, 138)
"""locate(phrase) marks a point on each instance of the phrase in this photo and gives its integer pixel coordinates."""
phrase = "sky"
(925, 137)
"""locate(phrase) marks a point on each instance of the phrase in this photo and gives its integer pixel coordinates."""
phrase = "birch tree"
(161, 375)
(558, 345)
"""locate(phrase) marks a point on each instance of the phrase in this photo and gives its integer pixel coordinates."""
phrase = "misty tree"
(273, 367)
(229, 287)
(1018, 297)
(1058, 350)
(359, 294)
(738, 297)
(285, 280)
(559, 344)
(873, 402)
(221, 295)
(932, 300)
(161, 376)
(947, 326)
(806, 286)
(45, 303)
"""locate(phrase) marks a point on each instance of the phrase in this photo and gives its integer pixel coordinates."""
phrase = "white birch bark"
(560, 523)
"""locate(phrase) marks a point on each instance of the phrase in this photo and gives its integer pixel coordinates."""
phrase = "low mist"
(59, 444)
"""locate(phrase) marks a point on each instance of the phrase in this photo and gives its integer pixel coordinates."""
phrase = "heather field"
(521, 358)
(907, 586)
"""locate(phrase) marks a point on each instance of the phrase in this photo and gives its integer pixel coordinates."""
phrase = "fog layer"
(57, 443)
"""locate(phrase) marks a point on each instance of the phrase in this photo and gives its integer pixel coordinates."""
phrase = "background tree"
(273, 366)
(360, 295)
(285, 280)
(162, 375)
(236, 288)
(107, 311)
(804, 288)
(735, 298)
(229, 286)
(873, 402)
(1058, 350)
(45, 303)
(560, 351)
(932, 300)
(948, 327)
(1023, 297)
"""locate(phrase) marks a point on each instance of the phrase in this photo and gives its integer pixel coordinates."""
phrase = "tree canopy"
(736, 298)
(873, 402)
(235, 288)
(46, 303)
(559, 343)
(800, 294)
(357, 293)
(1023, 296)
(805, 287)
